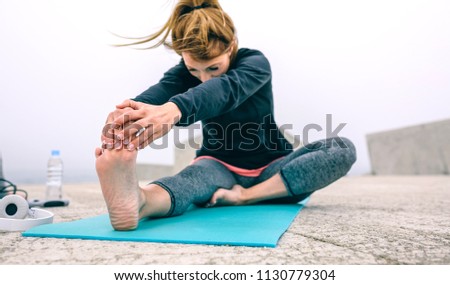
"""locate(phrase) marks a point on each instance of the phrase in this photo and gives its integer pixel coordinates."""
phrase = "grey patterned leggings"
(303, 171)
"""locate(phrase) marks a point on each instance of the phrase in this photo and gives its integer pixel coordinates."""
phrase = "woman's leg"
(169, 196)
(294, 177)
(310, 168)
(116, 170)
(195, 184)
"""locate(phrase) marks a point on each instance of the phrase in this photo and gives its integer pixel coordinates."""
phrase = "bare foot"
(228, 197)
(116, 170)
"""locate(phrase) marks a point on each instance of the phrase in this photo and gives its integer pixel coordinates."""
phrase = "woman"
(244, 159)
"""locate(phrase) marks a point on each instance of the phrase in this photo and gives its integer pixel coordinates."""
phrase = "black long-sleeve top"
(236, 110)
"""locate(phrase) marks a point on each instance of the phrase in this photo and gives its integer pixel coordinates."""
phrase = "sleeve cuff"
(186, 118)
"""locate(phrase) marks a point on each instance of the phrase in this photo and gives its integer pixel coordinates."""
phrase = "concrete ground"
(356, 220)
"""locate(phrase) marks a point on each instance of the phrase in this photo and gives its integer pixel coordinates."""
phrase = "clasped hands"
(134, 125)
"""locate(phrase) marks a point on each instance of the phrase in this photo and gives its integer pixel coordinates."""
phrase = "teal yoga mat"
(256, 225)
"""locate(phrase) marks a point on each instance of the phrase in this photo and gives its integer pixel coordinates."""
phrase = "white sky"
(375, 65)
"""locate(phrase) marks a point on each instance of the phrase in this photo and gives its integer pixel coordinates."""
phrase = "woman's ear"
(232, 47)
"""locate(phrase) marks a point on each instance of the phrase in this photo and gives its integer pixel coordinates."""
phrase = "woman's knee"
(349, 150)
(335, 145)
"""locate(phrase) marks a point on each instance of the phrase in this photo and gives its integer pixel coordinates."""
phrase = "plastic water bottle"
(54, 177)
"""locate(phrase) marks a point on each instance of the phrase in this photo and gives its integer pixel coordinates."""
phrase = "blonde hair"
(199, 27)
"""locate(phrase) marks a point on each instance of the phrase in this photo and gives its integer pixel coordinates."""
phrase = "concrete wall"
(416, 150)
(185, 153)
(149, 172)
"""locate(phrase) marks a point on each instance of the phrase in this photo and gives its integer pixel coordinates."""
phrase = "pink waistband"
(234, 169)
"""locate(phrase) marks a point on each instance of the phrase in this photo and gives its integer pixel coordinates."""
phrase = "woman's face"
(205, 70)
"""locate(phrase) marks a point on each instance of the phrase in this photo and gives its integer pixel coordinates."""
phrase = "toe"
(98, 152)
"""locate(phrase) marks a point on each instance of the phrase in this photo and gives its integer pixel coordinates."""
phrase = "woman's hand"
(109, 138)
(225, 197)
(140, 124)
(135, 125)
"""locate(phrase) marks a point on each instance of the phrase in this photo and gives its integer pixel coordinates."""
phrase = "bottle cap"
(55, 152)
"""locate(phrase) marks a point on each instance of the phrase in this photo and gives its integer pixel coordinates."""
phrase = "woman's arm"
(150, 109)
(176, 80)
(223, 94)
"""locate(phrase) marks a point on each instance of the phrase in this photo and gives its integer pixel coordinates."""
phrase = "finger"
(109, 130)
(123, 136)
(151, 134)
(124, 104)
(110, 118)
(107, 142)
(117, 113)
(105, 139)
(143, 140)
(104, 144)
(134, 130)
(109, 134)
(128, 103)
(129, 117)
(147, 140)
(114, 114)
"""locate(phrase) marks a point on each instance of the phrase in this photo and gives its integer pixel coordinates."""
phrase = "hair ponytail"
(199, 27)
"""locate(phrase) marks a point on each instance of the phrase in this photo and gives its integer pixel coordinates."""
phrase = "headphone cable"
(6, 190)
